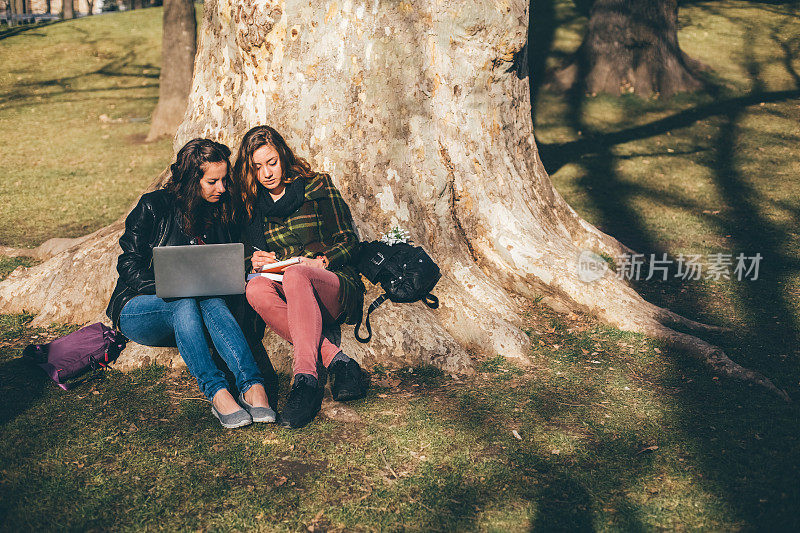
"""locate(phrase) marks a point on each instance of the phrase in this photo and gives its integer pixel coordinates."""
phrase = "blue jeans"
(149, 320)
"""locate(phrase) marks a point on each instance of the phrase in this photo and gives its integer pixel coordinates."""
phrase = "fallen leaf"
(516, 434)
(648, 449)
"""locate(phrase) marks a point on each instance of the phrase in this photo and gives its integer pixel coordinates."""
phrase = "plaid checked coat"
(322, 225)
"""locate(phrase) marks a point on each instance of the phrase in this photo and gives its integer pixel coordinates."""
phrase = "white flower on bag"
(394, 235)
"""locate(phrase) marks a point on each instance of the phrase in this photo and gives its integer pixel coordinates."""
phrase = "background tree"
(67, 9)
(631, 46)
(11, 11)
(421, 112)
(178, 48)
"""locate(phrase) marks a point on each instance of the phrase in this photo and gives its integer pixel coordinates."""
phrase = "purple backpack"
(92, 347)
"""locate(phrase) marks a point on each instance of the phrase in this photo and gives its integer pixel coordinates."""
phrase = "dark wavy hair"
(244, 171)
(187, 171)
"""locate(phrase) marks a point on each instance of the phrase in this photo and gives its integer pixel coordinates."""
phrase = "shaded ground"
(610, 433)
(703, 174)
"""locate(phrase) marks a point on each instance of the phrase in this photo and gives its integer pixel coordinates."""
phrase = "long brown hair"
(184, 183)
(244, 172)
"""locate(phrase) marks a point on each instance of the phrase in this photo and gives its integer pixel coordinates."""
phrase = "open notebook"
(274, 271)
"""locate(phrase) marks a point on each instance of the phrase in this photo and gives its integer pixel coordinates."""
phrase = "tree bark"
(631, 46)
(421, 112)
(178, 49)
(67, 9)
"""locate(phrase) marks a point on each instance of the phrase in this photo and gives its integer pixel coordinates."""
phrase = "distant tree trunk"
(90, 6)
(137, 4)
(49, 8)
(67, 11)
(631, 46)
(178, 48)
(11, 9)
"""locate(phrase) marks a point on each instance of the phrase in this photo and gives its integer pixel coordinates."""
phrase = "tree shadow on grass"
(752, 438)
(512, 478)
(22, 386)
(123, 67)
(27, 29)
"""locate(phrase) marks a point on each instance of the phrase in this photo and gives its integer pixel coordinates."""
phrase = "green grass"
(602, 430)
(10, 264)
(613, 434)
(699, 174)
(75, 105)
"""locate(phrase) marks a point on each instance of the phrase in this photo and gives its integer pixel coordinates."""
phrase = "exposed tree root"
(44, 251)
(668, 318)
(716, 359)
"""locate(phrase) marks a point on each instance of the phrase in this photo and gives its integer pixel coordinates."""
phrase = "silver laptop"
(200, 270)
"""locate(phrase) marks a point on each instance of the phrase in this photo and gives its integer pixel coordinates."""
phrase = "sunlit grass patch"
(76, 98)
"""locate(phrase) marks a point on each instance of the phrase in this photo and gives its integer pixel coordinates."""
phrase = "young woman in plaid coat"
(292, 211)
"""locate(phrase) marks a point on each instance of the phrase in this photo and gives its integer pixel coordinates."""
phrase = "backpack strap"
(373, 306)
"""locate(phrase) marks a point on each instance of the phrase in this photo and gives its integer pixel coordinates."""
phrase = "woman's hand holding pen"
(261, 258)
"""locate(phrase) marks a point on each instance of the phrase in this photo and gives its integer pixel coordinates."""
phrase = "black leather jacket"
(155, 221)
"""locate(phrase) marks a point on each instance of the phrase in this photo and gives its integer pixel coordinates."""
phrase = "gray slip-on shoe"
(259, 414)
(236, 419)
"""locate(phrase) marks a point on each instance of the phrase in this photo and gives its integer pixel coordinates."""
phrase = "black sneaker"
(346, 381)
(304, 402)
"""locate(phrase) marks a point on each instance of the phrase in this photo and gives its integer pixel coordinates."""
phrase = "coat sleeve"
(135, 264)
(341, 239)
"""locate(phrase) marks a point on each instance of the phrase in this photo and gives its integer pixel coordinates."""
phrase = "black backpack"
(405, 272)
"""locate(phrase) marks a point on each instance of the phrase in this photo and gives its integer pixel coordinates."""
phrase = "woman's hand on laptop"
(262, 258)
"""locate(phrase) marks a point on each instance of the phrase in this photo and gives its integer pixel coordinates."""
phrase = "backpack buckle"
(378, 259)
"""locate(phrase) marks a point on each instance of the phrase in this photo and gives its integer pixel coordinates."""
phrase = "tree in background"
(11, 10)
(178, 48)
(631, 46)
(67, 10)
(421, 111)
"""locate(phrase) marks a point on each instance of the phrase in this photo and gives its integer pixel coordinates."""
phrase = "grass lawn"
(605, 431)
(75, 105)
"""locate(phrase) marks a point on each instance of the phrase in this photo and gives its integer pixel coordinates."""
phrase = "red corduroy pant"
(296, 309)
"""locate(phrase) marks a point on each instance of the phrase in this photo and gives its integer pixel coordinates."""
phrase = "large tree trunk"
(421, 112)
(178, 48)
(631, 46)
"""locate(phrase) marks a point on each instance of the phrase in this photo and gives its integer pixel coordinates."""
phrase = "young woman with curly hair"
(194, 207)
